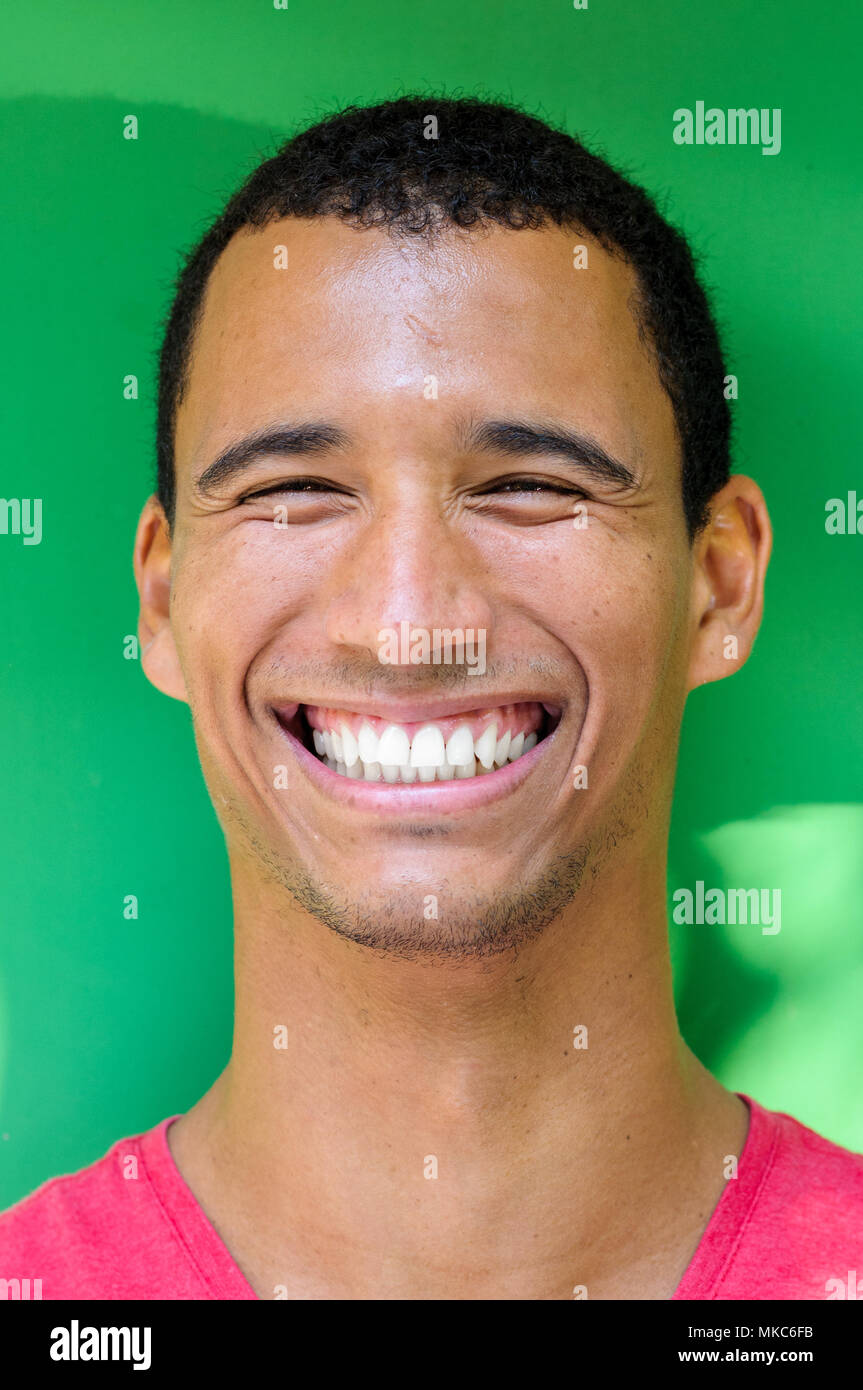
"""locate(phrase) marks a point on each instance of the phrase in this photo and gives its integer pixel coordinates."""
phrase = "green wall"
(107, 1024)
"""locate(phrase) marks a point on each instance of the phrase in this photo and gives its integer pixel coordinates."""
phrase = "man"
(444, 536)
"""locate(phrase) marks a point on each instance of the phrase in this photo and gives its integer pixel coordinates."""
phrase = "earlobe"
(730, 564)
(161, 664)
(152, 564)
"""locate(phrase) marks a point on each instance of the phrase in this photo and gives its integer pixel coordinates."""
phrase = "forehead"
(307, 317)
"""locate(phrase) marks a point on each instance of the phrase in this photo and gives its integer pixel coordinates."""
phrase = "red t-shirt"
(790, 1225)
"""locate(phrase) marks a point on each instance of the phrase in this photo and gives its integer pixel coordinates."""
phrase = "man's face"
(282, 590)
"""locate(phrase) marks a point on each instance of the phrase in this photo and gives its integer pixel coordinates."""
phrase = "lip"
(396, 711)
(441, 798)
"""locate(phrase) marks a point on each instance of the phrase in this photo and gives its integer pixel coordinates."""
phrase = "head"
(438, 370)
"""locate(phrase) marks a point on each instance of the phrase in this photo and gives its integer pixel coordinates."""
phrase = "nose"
(413, 566)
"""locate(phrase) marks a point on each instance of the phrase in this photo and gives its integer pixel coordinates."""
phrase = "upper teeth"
(392, 757)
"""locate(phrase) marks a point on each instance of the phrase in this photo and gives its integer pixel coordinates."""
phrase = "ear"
(730, 562)
(152, 562)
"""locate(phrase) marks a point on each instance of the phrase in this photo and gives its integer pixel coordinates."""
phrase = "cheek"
(636, 644)
(227, 592)
(634, 621)
(617, 605)
(233, 593)
(604, 590)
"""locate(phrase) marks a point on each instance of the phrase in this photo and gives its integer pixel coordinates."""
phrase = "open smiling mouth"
(473, 743)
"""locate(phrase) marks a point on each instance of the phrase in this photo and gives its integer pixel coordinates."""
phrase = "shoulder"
(812, 1173)
(815, 1183)
(82, 1227)
(802, 1232)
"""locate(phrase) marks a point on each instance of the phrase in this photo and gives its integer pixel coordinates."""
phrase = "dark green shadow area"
(776, 1013)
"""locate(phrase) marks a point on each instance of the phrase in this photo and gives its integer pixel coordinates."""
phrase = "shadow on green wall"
(777, 1013)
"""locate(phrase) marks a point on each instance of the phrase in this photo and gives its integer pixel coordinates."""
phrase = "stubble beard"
(416, 923)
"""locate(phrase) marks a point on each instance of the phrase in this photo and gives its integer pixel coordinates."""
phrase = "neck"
(497, 1127)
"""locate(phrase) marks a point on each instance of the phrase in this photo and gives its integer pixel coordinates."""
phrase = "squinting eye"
(532, 485)
(291, 485)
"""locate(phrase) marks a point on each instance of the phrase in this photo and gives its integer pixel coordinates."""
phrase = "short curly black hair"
(375, 166)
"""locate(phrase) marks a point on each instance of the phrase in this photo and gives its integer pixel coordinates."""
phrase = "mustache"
(371, 677)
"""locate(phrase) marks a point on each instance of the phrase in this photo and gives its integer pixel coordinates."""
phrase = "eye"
(302, 485)
(526, 500)
(515, 485)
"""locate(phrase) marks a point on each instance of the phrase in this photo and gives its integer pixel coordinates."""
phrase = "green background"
(106, 1025)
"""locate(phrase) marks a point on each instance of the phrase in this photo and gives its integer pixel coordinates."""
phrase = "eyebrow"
(289, 440)
(520, 438)
(492, 436)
